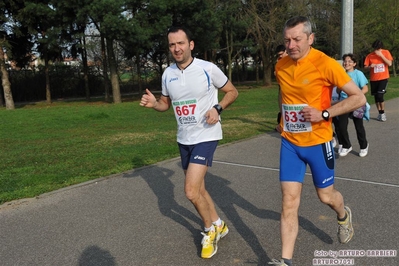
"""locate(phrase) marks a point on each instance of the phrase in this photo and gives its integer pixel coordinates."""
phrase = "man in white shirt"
(190, 87)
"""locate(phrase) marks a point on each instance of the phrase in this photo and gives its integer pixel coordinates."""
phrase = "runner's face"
(348, 64)
(180, 48)
(297, 43)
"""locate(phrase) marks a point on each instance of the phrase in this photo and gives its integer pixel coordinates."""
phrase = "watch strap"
(218, 108)
(325, 114)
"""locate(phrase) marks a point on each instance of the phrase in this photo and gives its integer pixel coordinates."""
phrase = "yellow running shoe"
(222, 231)
(209, 244)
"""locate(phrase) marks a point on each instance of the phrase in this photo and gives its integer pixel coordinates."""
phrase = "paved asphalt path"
(142, 217)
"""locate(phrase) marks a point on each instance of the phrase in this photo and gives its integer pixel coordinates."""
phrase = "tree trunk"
(105, 69)
(267, 79)
(257, 68)
(5, 81)
(229, 46)
(47, 75)
(116, 92)
(85, 69)
(140, 80)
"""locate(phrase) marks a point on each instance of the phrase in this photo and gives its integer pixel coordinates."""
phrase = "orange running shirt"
(307, 82)
(381, 70)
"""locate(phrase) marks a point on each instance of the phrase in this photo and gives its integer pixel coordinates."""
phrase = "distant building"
(69, 61)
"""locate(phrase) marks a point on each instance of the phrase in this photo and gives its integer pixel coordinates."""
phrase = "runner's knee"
(379, 97)
(291, 202)
(192, 194)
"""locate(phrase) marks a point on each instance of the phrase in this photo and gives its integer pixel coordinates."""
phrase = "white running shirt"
(193, 91)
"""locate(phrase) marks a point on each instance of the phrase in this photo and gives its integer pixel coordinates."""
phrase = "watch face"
(325, 114)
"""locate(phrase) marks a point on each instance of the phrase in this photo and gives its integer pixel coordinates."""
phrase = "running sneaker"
(221, 231)
(278, 262)
(364, 152)
(345, 151)
(379, 117)
(383, 117)
(345, 228)
(209, 244)
(340, 148)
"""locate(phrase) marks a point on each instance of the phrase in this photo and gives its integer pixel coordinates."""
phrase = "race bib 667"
(186, 112)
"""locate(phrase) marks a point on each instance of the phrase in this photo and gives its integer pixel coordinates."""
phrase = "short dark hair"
(174, 29)
(280, 48)
(294, 21)
(351, 56)
(377, 45)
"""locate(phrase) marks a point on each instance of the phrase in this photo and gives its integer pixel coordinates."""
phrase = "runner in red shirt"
(379, 62)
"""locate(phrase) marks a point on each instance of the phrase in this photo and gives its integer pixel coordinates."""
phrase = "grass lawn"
(47, 147)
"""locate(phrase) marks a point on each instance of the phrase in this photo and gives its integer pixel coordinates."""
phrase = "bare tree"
(5, 81)
(267, 20)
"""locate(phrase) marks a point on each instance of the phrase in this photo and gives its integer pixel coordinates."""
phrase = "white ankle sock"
(212, 228)
(218, 222)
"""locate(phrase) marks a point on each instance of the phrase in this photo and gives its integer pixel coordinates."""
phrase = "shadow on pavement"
(94, 256)
(158, 179)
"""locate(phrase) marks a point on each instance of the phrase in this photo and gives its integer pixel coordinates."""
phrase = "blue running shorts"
(201, 153)
(294, 160)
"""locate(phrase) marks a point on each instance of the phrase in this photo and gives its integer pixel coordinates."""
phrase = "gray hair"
(292, 22)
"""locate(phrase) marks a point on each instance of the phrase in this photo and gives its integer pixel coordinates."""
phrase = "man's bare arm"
(148, 100)
(355, 100)
(230, 96)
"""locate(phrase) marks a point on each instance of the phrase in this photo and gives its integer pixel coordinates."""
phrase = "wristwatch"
(325, 114)
(218, 108)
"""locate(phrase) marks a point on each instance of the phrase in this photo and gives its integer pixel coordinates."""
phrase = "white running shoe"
(345, 228)
(277, 262)
(383, 117)
(363, 152)
(345, 152)
(339, 149)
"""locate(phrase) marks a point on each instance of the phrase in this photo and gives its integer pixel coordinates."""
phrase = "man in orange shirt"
(307, 78)
(379, 62)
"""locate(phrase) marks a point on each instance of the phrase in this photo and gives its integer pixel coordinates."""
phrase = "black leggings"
(379, 97)
(341, 129)
(378, 89)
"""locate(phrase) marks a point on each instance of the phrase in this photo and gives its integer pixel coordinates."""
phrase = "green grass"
(47, 147)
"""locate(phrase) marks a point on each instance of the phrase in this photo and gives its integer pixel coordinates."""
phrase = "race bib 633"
(293, 118)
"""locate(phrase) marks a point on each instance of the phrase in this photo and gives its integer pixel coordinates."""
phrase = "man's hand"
(312, 114)
(148, 99)
(278, 128)
(212, 116)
